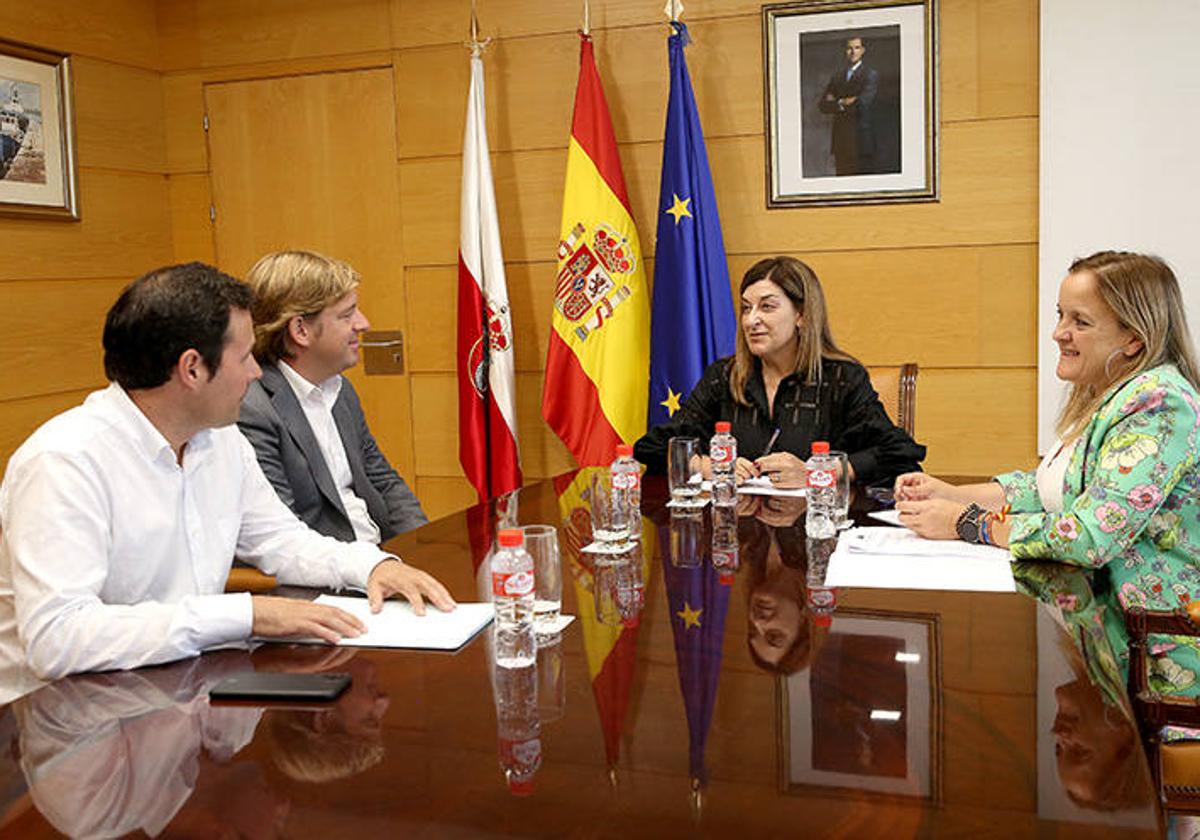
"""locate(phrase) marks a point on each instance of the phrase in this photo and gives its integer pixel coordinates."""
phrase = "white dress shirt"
(317, 402)
(115, 556)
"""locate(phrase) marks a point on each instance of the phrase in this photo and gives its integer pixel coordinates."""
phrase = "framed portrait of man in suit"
(851, 104)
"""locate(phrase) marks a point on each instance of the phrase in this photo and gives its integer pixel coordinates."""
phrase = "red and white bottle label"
(626, 481)
(820, 478)
(720, 453)
(512, 584)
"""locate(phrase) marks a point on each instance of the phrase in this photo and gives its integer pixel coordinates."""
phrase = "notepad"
(896, 558)
(397, 626)
(760, 486)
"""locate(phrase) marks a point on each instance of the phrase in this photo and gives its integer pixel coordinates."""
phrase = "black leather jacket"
(842, 409)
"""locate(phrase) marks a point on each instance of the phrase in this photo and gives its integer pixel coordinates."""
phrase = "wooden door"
(309, 162)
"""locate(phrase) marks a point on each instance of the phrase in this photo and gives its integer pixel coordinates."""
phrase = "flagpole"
(586, 29)
(474, 44)
(673, 10)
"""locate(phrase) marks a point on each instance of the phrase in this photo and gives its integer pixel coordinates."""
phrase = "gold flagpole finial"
(587, 18)
(474, 44)
(673, 10)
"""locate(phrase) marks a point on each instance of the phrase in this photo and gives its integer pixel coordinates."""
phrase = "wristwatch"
(967, 525)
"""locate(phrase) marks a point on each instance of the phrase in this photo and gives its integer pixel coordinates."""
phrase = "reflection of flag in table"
(487, 414)
(692, 321)
(611, 650)
(697, 601)
(597, 361)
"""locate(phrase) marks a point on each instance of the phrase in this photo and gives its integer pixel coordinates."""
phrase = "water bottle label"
(820, 478)
(512, 584)
(720, 453)
(625, 481)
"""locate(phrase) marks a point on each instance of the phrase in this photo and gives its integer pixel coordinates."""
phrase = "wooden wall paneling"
(531, 87)
(190, 223)
(125, 230)
(20, 417)
(183, 97)
(423, 22)
(207, 33)
(941, 307)
(122, 31)
(989, 196)
(977, 421)
(118, 116)
(50, 335)
(440, 495)
(989, 59)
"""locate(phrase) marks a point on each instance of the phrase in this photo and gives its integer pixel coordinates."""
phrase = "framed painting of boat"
(37, 134)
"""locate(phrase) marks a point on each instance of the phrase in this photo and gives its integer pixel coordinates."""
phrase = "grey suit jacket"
(274, 423)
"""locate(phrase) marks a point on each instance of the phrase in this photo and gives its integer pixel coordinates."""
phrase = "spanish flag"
(598, 362)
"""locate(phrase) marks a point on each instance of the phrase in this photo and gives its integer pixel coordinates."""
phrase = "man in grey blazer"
(303, 417)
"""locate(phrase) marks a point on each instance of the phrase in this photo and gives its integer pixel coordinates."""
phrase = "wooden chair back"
(897, 389)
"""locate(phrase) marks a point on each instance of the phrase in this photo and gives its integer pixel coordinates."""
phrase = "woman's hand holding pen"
(783, 469)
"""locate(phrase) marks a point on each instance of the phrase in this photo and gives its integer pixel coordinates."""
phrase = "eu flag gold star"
(691, 617)
(671, 403)
(680, 208)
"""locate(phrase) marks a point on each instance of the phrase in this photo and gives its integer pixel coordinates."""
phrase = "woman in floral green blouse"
(1121, 488)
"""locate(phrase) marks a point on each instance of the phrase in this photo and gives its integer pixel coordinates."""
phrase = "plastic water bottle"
(820, 520)
(518, 726)
(627, 487)
(822, 599)
(725, 543)
(512, 594)
(722, 450)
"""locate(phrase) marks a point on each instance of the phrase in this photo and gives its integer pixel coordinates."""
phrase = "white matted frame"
(874, 144)
(37, 134)
(917, 637)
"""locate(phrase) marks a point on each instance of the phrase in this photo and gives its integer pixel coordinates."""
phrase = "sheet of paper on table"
(896, 558)
(397, 626)
(759, 486)
(891, 516)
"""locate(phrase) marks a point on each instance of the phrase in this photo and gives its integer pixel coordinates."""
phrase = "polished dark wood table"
(697, 693)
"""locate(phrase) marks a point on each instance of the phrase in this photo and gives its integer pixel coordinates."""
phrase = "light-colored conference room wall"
(950, 285)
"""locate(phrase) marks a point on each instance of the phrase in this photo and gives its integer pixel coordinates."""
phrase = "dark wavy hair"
(164, 313)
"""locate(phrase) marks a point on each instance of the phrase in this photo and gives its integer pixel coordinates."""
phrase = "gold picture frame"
(851, 104)
(38, 169)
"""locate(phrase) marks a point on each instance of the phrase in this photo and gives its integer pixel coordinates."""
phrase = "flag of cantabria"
(487, 416)
(692, 321)
(598, 359)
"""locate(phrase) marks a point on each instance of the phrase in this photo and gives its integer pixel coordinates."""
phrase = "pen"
(771, 442)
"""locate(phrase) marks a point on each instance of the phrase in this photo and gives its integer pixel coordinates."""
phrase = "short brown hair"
(288, 284)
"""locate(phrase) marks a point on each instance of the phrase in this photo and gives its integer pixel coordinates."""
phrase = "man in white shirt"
(121, 517)
(303, 417)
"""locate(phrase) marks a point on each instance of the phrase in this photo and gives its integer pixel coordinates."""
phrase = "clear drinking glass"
(841, 513)
(541, 541)
(687, 538)
(681, 451)
(610, 519)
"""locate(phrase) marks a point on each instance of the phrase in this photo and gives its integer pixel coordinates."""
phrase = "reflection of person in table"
(850, 97)
(788, 384)
(1120, 490)
(143, 751)
(780, 632)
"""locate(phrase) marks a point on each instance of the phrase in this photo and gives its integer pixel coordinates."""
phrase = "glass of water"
(842, 483)
(681, 452)
(610, 519)
(541, 541)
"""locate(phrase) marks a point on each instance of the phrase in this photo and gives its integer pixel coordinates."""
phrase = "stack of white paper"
(397, 626)
(759, 486)
(896, 558)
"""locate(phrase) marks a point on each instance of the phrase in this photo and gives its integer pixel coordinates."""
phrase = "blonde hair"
(287, 284)
(1143, 293)
(803, 289)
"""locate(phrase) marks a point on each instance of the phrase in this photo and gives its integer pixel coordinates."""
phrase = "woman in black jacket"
(788, 376)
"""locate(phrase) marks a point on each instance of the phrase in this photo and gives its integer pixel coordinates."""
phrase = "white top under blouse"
(1052, 472)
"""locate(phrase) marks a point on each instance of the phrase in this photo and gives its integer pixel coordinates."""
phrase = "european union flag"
(692, 321)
